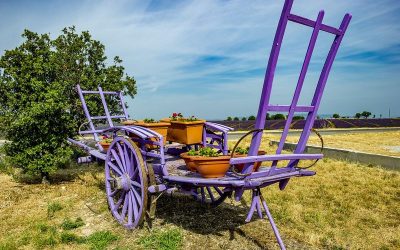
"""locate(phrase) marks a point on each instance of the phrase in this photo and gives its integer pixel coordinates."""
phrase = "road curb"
(385, 161)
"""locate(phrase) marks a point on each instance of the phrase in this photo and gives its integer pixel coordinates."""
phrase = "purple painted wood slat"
(97, 92)
(321, 84)
(121, 99)
(278, 157)
(269, 77)
(105, 117)
(87, 114)
(299, 86)
(103, 100)
(218, 127)
(287, 108)
(310, 23)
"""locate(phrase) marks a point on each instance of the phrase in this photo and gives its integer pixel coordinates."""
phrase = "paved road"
(237, 135)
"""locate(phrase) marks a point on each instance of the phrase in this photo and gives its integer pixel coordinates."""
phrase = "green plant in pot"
(243, 152)
(105, 142)
(210, 164)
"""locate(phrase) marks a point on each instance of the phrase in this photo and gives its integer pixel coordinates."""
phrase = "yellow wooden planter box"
(159, 127)
(186, 132)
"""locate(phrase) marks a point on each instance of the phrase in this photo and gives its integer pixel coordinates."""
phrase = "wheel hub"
(123, 182)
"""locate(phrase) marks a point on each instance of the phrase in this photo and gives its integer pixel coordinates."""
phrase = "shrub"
(39, 107)
(298, 117)
(278, 117)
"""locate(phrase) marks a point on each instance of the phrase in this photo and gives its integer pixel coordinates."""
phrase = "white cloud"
(158, 46)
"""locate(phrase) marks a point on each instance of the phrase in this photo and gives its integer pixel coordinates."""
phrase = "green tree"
(251, 118)
(336, 116)
(278, 117)
(298, 117)
(236, 118)
(244, 119)
(357, 115)
(39, 107)
(366, 114)
(229, 118)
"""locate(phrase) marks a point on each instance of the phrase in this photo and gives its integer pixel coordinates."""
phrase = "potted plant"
(105, 143)
(157, 126)
(210, 164)
(188, 158)
(185, 130)
(242, 152)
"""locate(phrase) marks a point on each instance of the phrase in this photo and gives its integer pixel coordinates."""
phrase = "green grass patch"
(46, 236)
(52, 208)
(164, 240)
(100, 240)
(68, 238)
(69, 224)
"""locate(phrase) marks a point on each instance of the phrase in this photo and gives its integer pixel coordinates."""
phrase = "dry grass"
(345, 206)
(378, 143)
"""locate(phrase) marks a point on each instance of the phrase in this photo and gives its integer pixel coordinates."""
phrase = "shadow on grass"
(189, 214)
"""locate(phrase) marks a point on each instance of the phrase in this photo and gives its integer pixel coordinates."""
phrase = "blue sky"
(208, 58)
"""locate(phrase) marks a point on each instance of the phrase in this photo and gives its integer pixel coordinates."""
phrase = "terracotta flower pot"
(212, 167)
(239, 167)
(105, 145)
(186, 132)
(189, 161)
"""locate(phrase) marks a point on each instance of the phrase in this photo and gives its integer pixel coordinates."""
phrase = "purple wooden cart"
(135, 175)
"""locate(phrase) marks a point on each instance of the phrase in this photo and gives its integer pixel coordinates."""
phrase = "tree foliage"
(366, 114)
(251, 118)
(278, 117)
(39, 106)
(336, 116)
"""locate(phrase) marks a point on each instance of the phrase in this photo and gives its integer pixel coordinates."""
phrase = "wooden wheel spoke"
(130, 210)
(136, 184)
(211, 194)
(122, 157)
(114, 192)
(115, 168)
(137, 196)
(125, 207)
(135, 205)
(128, 161)
(118, 160)
(134, 174)
(119, 202)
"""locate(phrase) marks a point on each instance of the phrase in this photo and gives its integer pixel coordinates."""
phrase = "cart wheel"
(211, 196)
(126, 182)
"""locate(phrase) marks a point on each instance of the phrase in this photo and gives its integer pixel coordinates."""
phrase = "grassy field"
(345, 206)
(378, 143)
